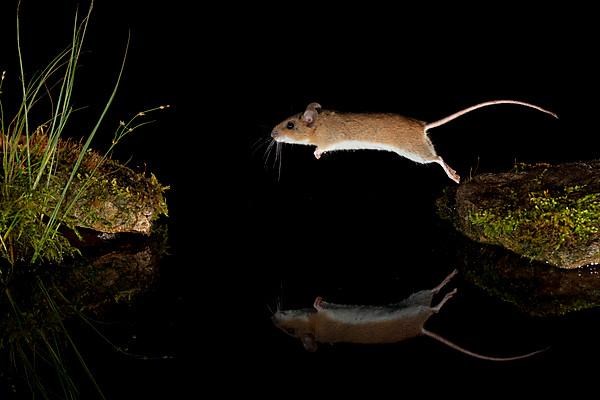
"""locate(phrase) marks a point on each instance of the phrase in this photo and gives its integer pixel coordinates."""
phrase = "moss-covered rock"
(106, 195)
(103, 195)
(513, 229)
(549, 213)
(112, 198)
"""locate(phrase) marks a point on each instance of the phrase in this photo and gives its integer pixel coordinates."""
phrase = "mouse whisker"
(257, 142)
(280, 159)
(277, 161)
(268, 151)
(272, 153)
(280, 150)
(276, 155)
(260, 142)
(270, 309)
(280, 297)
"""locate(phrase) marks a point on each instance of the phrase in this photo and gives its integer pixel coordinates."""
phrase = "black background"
(359, 227)
(353, 227)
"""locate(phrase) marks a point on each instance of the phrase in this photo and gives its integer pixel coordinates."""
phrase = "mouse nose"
(274, 134)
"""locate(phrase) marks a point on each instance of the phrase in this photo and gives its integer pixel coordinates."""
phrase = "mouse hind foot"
(447, 297)
(445, 281)
(449, 171)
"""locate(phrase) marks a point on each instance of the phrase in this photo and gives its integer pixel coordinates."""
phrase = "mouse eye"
(290, 125)
(290, 331)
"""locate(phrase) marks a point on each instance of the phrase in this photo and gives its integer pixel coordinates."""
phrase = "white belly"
(365, 145)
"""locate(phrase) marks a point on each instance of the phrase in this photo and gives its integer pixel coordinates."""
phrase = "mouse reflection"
(364, 324)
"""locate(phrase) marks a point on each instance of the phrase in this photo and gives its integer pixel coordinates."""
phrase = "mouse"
(408, 137)
(364, 324)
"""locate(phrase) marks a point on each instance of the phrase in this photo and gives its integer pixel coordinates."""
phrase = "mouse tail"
(480, 105)
(480, 356)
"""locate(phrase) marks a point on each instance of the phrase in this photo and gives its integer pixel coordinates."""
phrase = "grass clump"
(48, 184)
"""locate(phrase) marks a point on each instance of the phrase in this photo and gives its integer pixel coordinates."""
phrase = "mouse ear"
(309, 342)
(310, 115)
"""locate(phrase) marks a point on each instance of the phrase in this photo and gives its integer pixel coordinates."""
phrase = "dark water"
(360, 227)
(121, 303)
(353, 238)
(351, 227)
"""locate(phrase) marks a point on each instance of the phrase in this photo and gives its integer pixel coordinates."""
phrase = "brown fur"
(404, 324)
(331, 131)
(334, 131)
(331, 128)
(339, 323)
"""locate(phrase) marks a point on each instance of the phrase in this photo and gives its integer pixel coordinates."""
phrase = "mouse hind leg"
(449, 171)
(424, 297)
(447, 297)
(427, 155)
(444, 282)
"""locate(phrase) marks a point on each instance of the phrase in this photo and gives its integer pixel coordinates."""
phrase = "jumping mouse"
(331, 131)
(337, 323)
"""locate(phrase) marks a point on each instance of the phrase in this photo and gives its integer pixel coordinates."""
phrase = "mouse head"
(298, 129)
(298, 324)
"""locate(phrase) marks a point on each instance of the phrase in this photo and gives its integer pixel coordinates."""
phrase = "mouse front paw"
(317, 303)
(318, 153)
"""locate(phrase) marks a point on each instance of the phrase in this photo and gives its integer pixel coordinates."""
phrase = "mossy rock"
(548, 213)
(112, 198)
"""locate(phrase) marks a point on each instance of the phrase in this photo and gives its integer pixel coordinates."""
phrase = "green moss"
(545, 221)
(48, 183)
(105, 196)
(23, 217)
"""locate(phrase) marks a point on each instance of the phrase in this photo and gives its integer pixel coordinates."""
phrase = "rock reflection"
(36, 305)
(534, 287)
